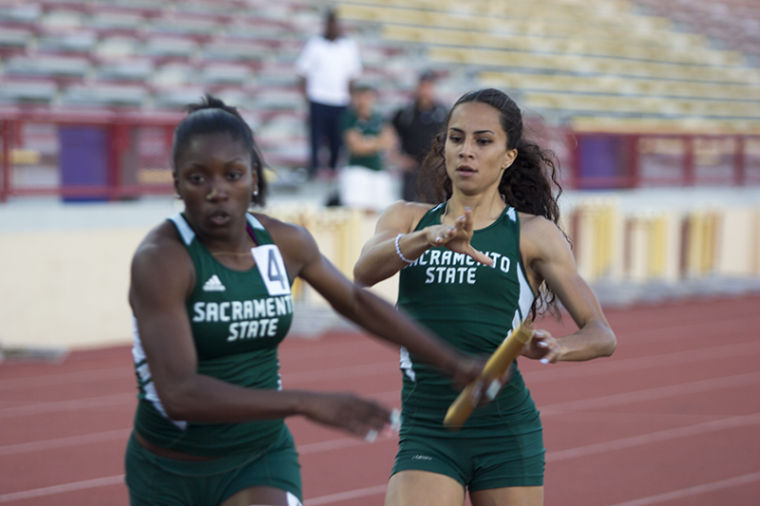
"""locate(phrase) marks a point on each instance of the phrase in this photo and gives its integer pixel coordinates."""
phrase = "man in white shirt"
(327, 65)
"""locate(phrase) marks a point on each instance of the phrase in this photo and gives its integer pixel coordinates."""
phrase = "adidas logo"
(213, 285)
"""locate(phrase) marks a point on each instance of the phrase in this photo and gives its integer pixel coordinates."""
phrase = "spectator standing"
(416, 124)
(327, 66)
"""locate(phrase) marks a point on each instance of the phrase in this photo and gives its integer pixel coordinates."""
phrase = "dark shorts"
(156, 480)
(477, 463)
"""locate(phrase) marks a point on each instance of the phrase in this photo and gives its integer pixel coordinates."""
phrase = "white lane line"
(89, 402)
(120, 373)
(572, 453)
(124, 398)
(65, 487)
(123, 434)
(63, 378)
(293, 379)
(547, 410)
(685, 326)
(663, 330)
(693, 491)
(63, 442)
(654, 437)
(347, 442)
(693, 387)
(651, 393)
(643, 363)
(327, 349)
(708, 384)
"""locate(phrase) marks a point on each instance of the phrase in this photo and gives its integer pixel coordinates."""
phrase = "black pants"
(409, 185)
(324, 122)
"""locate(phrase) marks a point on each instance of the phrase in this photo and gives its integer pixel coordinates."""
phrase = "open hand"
(348, 412)
(457, 237)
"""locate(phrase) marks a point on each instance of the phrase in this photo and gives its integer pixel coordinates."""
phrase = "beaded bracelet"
(401, 255)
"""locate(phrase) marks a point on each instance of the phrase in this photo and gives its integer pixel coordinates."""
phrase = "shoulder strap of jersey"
(183, 228)
(430, 215)
(259, 234)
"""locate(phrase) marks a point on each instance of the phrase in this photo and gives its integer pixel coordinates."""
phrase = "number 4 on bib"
(272, 269)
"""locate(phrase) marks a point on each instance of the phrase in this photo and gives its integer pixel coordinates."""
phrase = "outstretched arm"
(375, 314)
(548, 257)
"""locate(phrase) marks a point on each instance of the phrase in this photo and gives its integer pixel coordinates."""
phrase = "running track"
(672, 419)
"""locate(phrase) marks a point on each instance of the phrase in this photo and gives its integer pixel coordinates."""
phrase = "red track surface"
(671, 419)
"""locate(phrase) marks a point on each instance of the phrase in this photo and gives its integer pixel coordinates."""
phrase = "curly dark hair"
(527, 185)
(211, 115)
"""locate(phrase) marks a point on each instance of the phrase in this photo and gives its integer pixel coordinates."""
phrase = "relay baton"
(493, 371)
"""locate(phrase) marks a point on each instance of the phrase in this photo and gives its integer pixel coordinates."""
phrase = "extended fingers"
(481, 257)
(444, 235)
(464, 222)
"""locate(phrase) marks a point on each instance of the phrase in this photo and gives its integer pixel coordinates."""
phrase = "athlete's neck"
(485, 209)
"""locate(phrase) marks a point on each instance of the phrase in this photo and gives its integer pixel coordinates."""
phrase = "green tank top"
(473, 307)
(238, 319)
(372, 126)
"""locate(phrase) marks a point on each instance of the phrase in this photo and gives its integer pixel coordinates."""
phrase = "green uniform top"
(474, 307)
(371, 126)
(238, 318)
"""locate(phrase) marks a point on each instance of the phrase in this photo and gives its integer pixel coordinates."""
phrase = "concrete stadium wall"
(65, 267)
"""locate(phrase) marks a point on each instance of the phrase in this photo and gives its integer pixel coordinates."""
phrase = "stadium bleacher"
(568, 60)
(673, 86)
(574, 63)
(733, 24)
(612, 65)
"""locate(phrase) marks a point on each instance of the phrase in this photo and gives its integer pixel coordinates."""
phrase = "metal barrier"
(96, 155)
(106, 154)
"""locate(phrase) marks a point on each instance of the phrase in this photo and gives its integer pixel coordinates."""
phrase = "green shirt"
(474, 307)
(372, 127)
(238, 319)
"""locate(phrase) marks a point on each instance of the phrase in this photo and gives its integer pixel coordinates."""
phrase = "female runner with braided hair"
(472, 267)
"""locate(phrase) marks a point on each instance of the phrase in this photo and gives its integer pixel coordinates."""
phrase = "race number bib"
(272, 269)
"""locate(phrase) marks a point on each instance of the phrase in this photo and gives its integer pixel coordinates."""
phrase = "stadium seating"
(105, 95)
(48, 66)
(733, 24)
(25, 92)
(595, 64)
(615, 64)
(14, 40)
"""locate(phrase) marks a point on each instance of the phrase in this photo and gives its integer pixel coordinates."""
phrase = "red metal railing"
(590, 160)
